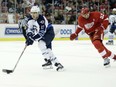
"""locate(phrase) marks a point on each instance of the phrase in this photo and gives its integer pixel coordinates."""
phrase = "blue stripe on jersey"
(44, 23)
(49, 26)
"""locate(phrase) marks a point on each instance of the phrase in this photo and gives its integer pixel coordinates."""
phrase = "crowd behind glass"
(56, 11)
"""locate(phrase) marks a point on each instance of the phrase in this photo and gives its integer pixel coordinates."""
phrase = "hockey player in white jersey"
(112, 26)
(40, 30)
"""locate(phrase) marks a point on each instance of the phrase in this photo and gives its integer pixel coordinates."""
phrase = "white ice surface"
(83, 66)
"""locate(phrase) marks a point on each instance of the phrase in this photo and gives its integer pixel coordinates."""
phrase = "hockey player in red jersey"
(94, 23)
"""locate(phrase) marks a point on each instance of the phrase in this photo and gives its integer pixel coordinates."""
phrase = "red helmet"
(84, 10)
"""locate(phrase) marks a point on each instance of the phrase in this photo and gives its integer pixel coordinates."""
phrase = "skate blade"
(107, 66)
(48, 67)
(60, 69)
(109, 44)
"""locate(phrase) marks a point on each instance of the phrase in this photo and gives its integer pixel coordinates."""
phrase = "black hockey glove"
(30, 39)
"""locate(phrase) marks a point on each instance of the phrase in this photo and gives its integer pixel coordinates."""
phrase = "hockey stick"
(11, 71)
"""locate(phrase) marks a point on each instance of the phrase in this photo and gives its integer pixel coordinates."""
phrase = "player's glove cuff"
(73, 36)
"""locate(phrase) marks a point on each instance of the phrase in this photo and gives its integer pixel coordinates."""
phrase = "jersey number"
(101, 16)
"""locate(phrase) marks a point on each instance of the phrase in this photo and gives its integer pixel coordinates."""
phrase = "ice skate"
(107, 62)
(59, 67)
(110, 42)
(114, 58)
(47, 65)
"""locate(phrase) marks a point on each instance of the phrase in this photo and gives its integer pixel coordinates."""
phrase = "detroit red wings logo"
(89, 25)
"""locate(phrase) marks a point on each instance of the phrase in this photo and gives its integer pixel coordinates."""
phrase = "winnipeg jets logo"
(89, 25)
(35, 27)
(42, 22)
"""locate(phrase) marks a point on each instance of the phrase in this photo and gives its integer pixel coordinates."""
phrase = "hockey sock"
(110, 37)
(47, 53)
(52, 57)
(43, 48)
(101, 49)
(109, 53)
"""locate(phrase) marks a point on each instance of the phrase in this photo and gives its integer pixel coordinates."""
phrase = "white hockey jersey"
(112, 19)
(38, 27)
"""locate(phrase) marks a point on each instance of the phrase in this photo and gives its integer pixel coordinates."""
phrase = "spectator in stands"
(59, 18)
(11, 6)
(19, 1)
(20, 9)
(72, 18)
(112, 4)
(48, 17)
(4, 5)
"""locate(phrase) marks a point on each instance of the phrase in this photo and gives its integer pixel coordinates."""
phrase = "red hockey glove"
(73, 36)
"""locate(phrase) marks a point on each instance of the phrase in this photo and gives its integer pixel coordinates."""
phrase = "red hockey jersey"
(95, 21)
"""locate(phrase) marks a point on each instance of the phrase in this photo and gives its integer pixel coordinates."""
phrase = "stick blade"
(7, 71)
